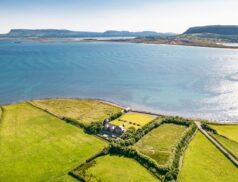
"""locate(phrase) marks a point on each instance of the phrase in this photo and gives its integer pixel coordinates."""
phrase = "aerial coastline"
(118, 91)
(123, 106)
(158, 41)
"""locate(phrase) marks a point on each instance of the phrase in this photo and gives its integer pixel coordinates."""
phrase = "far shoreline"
(219, 45)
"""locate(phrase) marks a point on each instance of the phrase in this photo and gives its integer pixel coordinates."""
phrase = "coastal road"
(218, 145)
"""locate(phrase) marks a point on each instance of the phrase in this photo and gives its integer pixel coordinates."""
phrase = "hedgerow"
(123, 147)
(170, 170)
(208, 128)
(115, 116)
(90, 128)
(80, 172)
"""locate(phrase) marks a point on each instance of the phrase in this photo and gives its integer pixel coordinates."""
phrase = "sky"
(101, 15)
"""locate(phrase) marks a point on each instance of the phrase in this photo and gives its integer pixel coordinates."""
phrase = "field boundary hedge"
(208, 128)
(87, 164)
(178, 152)
(90, 128)
(45, 110)
(171, 169)
(181, 160)
(144, 160)
(2, 113)
(125, 152)
(166, 173)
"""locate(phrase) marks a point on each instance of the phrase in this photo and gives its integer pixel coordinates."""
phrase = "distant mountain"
(214, 29)
(112, 33)
(47, 33)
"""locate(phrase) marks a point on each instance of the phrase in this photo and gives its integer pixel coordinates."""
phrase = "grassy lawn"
(204, 162)
(229, 144)
(158, 144)
(35, 146)
(132, 119)
(229, 131)
(83, 110)
(114, 168)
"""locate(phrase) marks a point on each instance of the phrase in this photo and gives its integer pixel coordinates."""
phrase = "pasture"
(83, 110)
(229, 131)
(204, 162)
(115, 168)
(159, 143)
(133, 119)
(36, 146)
(231, 145)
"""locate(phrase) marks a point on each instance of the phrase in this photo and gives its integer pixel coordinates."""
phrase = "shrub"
(208, 128)
(94, 128)
(115, 116)
(129, 133)
(171, 175)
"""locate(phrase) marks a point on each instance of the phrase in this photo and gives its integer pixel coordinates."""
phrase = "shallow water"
(187, 81)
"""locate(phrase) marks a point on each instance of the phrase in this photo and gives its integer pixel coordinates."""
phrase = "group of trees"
(121, 146)
(92, 128)
(208, 128)
(115, 116)
(132, 135)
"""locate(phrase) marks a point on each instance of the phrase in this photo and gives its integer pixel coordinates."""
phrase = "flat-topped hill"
(61, 33)
(214, 29)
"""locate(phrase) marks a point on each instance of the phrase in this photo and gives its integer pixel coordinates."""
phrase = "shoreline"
(135, 41)
(219, 46)
(133, 110)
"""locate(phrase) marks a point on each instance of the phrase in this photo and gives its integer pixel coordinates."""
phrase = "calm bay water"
(187, 81)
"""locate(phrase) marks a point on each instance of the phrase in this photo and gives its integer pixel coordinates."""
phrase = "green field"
(132, 119)
(204, 162)
(229, 131)
(158, 144)
(113, 169)
(228, 144)
(83, 110)
(35, 146)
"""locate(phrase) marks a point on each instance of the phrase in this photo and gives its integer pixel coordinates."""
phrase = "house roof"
(112, 126)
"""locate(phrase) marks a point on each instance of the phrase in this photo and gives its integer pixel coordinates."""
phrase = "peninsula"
(218, 36)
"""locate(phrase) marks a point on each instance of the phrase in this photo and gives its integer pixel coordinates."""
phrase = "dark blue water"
(187, 81)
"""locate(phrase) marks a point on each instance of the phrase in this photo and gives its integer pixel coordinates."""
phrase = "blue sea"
(186, 81)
